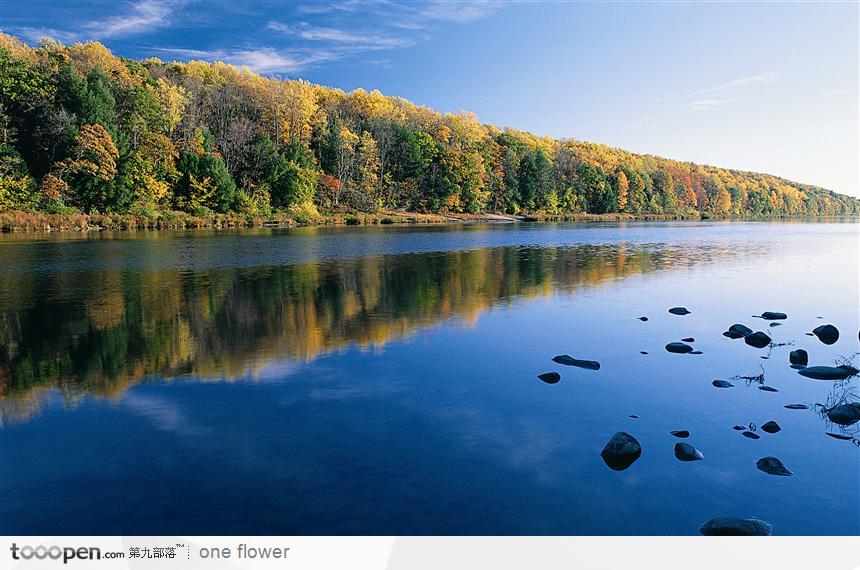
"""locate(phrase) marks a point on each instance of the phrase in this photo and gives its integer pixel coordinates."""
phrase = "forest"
(85, 131)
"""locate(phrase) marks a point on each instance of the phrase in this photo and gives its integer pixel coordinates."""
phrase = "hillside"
(82, 130)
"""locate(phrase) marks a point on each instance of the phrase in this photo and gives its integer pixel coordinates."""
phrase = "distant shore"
(40, 222)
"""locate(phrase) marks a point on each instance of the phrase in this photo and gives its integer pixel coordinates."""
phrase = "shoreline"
(40, 222)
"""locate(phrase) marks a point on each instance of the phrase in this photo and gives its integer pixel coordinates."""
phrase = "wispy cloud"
(264, 59)
(312, 33)
(706, 104)
(768, 77)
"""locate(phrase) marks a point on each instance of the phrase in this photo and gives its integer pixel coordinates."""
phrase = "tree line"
(82, 130)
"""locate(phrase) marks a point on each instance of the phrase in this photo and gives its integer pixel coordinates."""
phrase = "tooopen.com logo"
(64, 553)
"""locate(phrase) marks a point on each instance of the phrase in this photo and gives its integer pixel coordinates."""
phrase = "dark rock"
(771, 427)
(845, 415)
(767, 389)
(679, 347)
(738, 428)
(809, 334)
(841, 436)
(689, 339)
(751, 435)
(733, 335)
(796, 406)
(828, 334)
(686, 452)
(765, 357)
(757, 339)
(828, 372)
(643, 319)
(775, 324)
(740, 329)
(642, 352)
(773, 316)
(550, 377)
(635, 417)
(728, 526)
(722, 384)
(682, 433)
(621, 451)
(798, 356)
(679, 311)
(697, 352)
(569, 361)
(773, 466)
(798, 366)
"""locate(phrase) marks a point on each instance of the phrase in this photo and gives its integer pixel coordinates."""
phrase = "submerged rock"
(722, 384)
(845, 415)
(828, 372)
(773, 466)
(569, 361)
(550, 377)
(798, 356)
(740, 329)
(773, 316)
(796, 406)
(686, 452)
(679, 311)
(738, 428)
(775, 324)
(733, 335)
(679, 347)
(689, 339)
(841, 436)
(771, 427)
(751, 435)
(643, 319)
(621, 451)
(757, 339)
(634, 416)
(682, 433)
(767, 389)
(729, 526)
(643, 352)
(697, 352)
(828, 334)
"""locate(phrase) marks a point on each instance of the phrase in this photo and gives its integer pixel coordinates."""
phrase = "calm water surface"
(384, 380)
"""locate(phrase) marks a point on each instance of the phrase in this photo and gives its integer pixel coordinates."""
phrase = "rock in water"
(728, 526)
(643, 352)
(679, 347)
(828, 334)
(841, 436)
(775, 324)
(550, 377)
(798, 356)
(697, 352)
(751, 435)
(740, 329)
(679, 311)
(722, 384)
(773, 316)
(733, 335)
(738, 428)
(682, 433)
(773, 466)
(796, 406)
(686, 452)
(757, 339)
(569, 361)
(828, 372)
(767, 389)
(643, 319)
(621, 451)
(771, 427)
(845, 415)
(689, 339)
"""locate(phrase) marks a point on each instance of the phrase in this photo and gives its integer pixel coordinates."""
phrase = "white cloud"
(261, 59)
(308, 32)
(768, 77)
(706, 104)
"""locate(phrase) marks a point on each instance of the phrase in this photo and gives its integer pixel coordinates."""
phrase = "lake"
(383, 380)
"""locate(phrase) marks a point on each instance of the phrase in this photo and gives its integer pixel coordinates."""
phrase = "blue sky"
(765, 87)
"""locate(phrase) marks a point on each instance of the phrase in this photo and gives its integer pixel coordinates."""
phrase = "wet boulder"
(771, 427)
(621, 451)
(550, 377)
(775, 324)
(688, 339)
(679, 347)
(757, 339)
(738, 428)
(773, 466)
(570, 361)
(798, 356)
(828, 372)
(845, 414)
(828, 334)
(773, 316)
(682, 433)
(722, 384)
(697, 352)
(686, 452)
(679, 311)
(733, 335)
(740, 329)
(751, 435)
(729, 526)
